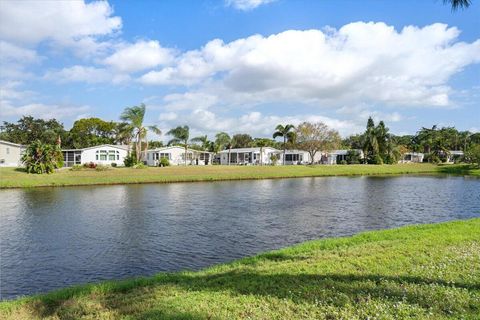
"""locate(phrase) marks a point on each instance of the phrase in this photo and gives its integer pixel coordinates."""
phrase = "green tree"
(262, 143)
(180, 135)
(135, 116)
(315, 137)
(123, 133)
(203, 141)
(90, 132)
(241, 140)
(42, 158)
(28, 130)
(287, 133)
(370, 143)
(222, 142)
(456, 4)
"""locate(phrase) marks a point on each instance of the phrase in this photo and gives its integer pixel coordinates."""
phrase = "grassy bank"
(14, 178)
(427, 271)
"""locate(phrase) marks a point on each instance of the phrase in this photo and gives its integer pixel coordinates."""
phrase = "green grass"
(15, 178)
(415, 272)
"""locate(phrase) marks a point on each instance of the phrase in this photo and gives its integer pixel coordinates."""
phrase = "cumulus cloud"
(246, 5)
(41, 110)
(139, 56)
(360, 62)
(85, 74)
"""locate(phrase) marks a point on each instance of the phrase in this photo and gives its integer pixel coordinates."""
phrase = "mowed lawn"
(11, 177)
(415, 272)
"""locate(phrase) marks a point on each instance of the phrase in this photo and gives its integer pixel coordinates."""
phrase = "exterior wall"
(91, 155)
(412, 157)
(10, 154)
(297, 157)
(176, 156)
(249, 156)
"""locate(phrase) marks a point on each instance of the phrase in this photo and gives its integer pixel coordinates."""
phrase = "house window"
(293, 157)
(101, 155)
(164, 155)
(111, 155)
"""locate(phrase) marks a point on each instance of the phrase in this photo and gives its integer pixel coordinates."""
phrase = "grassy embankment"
(12, 178)
(425, 271)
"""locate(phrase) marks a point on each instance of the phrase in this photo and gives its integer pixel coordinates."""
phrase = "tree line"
(377, 143)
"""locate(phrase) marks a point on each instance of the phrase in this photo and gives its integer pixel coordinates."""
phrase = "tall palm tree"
(224, 141)
(135, 116)
(123, 133)
(261, 143)
(180, 134)
(287, 133)
(204, 142)
(456, 4)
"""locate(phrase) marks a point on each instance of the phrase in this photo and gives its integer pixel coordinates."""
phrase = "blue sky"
(245, 65)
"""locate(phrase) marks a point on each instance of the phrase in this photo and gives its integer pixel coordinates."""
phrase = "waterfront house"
(454, 155)
(338, 156)
(11, 154)
(412, 157)
(249, 156)
(295, 157)
(176, 156)
(105, 154)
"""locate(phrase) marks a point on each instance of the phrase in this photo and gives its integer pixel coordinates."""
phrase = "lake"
(56, 237)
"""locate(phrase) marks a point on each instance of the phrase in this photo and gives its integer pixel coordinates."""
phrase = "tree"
(473, 154)
(242, 140)
(314, 137)
(42, 158)
(135, 116)
(223, 141)
(28, 130)
(123, 133)
(261, 143)
(287, 132)
(203, 140)
(180, 136)
(456, 4)
(370, 144)
(90, 132)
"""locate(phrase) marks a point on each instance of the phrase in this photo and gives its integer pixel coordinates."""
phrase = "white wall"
(10, 155)
(176, 156)
(90, 155)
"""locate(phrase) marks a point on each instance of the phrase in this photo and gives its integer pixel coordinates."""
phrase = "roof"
(253, 149)
(122, 147)
(456, 152)
(345, 151)
(12, 144)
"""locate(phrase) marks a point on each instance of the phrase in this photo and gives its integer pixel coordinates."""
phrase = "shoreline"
(330, 269)
(12, 178)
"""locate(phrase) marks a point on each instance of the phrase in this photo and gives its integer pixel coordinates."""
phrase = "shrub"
(353, 157)
(90, 165)
(164, 162)
(274, 159)
(42, 158)
(139, 166)
(343, 162)
(76, 167)
(114, 164)
(130, 160)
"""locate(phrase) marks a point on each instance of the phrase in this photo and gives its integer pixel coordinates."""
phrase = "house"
(454, 155)
(249, 156)
(176, 156)
(337, 156)
(412, 157)
(105, 154)
(11, 154)
(293, 157)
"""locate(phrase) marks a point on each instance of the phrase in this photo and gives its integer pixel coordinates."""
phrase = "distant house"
(293, 157)
(176, 156)
(105, 154)
(11, 154)
(248, 156)
(337, 156)
(412, 157)
(454, 155)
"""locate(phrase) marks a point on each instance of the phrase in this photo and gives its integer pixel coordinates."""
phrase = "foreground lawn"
(12, 178)
(427, 272)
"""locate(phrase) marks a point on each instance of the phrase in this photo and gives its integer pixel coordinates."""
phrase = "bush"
(76, 167)
(101, 168)
(139, 166)
(353, 157)
(90, 165)
(42, 158)
(343, 162)
(114, 164)
(130, 160)
(274, 159)
(164, 162)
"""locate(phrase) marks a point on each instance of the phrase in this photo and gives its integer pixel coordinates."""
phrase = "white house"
(412, 157)
(176, 156)
(454, 155)
(249, 156)
(105, 154)
(293, 157)
(11, 154)
(337, 156)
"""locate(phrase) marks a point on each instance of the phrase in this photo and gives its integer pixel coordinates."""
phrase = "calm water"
(55, 237)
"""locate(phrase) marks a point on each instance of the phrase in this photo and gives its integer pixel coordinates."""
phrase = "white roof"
(122, 147)
(12, 144)
(344, 152)
(456, 152)
(253, 149)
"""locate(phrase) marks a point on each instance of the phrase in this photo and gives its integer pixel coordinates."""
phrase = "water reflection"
(54, 237)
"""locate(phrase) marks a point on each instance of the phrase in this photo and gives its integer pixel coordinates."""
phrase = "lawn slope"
(427, 272)
(16, 178)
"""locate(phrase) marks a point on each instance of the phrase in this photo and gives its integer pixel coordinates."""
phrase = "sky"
(243, 66)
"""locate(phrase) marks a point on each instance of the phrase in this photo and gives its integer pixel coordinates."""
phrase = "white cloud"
(246, 5)
(31, 22)
(40, 110)
(85, 74)
(139, 56)
(360, 62)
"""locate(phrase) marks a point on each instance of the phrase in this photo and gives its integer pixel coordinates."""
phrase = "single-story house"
(176, 156)
(337, 156)
(105, 154)
(11, 154)
(249, 156)
(293, 157)
(412, 157)
(454, 155)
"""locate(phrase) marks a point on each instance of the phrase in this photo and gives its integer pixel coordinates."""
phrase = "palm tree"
(204, 142)
(463, 4)
(180, 135)
(261, 143)
(223, 140)
(135, 116)
(123, 133)
(287, 133)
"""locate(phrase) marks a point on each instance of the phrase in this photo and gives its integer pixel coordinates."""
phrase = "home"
(249, 156)
(106, 154)
(339, 156)
(412, 157)
(11, 154)
(454, 155)
(176, 156)
(293, 157)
